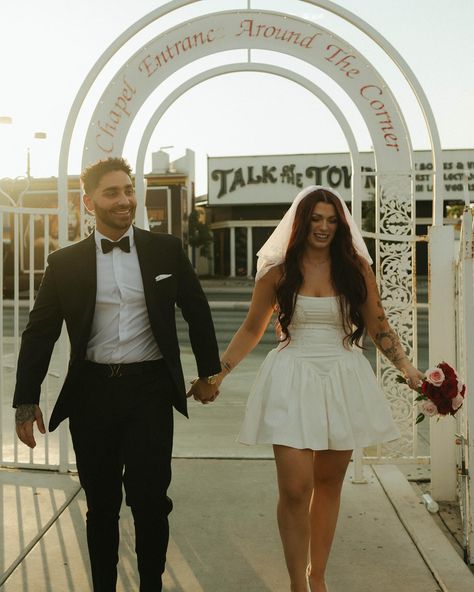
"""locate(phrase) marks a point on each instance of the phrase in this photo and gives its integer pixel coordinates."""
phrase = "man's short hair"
(92, 174)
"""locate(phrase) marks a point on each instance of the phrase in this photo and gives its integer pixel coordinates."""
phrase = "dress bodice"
(317, 323)
(313, 311)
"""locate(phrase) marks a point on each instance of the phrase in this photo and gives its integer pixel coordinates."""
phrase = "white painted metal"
(418, 91)
(465, 367)
(169, 212)
(65, 463)
(140, 180)
(358, 472)
(176, 4)
(246, 67)
(249, 251)
(398, 165)
(30, 238)
(2, 373)
(232, 251)
(394, 233)
(81, 95)
(442, 347)
(370, 94)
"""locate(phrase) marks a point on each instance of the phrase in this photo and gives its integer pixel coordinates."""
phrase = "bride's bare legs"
(329, 469)
(295, 485)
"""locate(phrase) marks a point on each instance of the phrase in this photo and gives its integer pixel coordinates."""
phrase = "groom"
(116, 291)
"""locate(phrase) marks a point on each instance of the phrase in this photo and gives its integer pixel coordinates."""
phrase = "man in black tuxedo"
(117, 290)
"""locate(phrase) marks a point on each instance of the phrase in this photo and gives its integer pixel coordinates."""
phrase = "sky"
(48, 47)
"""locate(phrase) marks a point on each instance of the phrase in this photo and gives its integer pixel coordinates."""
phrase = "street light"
(36, 136)
(7, 120)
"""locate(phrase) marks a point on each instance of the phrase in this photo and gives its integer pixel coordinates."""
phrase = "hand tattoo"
(25, 413)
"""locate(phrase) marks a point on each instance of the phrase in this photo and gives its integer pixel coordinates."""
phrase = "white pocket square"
(162, 276)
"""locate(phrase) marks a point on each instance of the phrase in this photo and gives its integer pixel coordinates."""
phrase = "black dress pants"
(122, 431)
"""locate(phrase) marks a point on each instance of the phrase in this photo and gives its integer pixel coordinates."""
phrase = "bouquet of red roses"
(441, 392)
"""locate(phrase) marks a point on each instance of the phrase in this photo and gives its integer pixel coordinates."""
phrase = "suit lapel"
(87, 270)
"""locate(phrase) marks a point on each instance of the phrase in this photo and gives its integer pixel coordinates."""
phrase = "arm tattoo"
(389, 344)
(25, 413)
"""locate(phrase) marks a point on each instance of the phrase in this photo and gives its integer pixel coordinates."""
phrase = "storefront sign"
(277, 179)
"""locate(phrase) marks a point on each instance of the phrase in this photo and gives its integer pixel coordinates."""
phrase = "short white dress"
(314, 392)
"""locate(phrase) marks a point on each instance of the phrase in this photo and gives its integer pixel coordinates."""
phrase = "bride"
(315, 397)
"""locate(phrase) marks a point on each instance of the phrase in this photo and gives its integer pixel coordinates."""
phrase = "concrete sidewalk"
(224, 536)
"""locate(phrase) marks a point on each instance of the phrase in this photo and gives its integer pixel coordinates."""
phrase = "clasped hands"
(202, 391)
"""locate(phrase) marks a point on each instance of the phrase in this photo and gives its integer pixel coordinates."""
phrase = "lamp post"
(36, 136)
(7, 120)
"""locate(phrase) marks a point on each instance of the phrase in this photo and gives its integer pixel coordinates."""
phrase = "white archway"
(248, 67)
(249, 29)
(328, 5)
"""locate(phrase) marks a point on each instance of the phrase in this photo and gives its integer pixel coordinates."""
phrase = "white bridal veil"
(273, 251)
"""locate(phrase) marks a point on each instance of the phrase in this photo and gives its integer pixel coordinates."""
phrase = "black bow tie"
(123, 243)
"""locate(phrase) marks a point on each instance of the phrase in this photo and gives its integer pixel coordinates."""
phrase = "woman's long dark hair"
(346, 271)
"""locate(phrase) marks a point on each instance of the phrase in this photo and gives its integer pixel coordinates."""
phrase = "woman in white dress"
(315, 397)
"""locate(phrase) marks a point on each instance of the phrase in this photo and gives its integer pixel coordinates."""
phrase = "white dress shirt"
(121, 331)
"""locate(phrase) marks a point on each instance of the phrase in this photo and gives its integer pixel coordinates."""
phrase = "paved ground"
(224, 533)
(224, 536)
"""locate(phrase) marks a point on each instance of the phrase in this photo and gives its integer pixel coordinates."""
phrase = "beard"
(108, 218)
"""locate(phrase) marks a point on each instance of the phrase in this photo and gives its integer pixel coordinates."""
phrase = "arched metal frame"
(394, 186)
(247, 67)
(348, 16)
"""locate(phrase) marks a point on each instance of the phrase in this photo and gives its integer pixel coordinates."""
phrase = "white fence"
(27, 236)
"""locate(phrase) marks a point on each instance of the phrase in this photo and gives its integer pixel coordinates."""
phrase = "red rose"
(448, 371)
(445, 407)
(429, 389)
(449, 387)
(442, 389)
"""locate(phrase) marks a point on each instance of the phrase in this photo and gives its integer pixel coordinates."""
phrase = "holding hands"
(206, 389)
(203, 391)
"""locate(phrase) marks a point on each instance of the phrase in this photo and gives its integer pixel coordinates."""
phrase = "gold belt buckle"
(115, 370)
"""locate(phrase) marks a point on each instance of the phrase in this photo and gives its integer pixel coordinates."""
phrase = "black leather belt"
(118, 370)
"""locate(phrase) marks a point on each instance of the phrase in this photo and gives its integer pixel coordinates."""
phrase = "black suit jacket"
(68, 293)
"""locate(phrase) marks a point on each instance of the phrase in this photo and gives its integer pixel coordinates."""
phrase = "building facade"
(169, 194)
(248, 195)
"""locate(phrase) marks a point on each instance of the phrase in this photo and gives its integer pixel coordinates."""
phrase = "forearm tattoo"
(389, 344)
(25, 413)
(386, 339)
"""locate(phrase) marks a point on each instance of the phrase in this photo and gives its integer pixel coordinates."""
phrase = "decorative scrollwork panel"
(395, 267)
